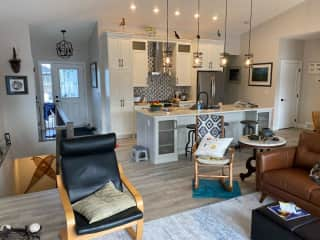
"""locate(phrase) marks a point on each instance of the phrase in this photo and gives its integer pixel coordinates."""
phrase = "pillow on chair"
(213, 147)
(104, 203)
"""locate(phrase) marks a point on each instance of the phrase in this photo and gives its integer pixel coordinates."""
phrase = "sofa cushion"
(293, 180)
(308, 151)
(315, 197)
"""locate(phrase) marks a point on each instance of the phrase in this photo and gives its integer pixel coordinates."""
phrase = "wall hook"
(15, 63)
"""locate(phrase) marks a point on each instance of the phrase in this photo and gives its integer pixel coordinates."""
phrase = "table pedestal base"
(251, 169)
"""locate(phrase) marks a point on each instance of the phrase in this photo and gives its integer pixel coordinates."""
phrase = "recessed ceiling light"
(133, 7)
(177, 13)
(156, 10)
(196, 15)
(215, 18)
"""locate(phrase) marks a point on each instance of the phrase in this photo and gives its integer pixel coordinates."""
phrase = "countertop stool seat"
(249, 127)
(191, 138)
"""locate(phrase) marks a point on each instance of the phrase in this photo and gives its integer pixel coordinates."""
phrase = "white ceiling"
(78, 16)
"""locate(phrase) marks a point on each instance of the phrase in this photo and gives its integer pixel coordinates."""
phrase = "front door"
(69, 91)
(290, 75)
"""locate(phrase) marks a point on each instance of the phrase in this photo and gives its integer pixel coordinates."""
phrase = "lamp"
(249, 56)
(64, 48)
(197, 56)
(224, 55)
(167, 63)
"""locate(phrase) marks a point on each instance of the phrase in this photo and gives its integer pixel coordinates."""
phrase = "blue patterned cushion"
(212, 124)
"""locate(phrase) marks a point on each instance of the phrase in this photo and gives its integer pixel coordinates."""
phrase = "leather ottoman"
(266, 225)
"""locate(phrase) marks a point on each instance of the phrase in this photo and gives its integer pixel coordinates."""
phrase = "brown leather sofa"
(284, 173)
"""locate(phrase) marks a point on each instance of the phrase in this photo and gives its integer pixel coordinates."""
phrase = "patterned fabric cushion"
(212, 124)
(104, 203)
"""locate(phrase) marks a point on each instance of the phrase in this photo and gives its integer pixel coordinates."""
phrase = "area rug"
(213, 189)
(230, 219)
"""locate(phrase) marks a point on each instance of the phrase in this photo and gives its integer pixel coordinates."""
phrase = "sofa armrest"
(276, 159)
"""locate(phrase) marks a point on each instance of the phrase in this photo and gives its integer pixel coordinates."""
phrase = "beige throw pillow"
(104, 203)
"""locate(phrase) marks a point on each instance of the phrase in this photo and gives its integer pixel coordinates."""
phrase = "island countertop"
(180, 111)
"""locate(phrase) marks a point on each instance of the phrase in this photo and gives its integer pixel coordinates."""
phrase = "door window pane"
(69, 83)
(47, 83)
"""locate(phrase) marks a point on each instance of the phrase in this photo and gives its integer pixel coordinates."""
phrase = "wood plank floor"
(166, 189)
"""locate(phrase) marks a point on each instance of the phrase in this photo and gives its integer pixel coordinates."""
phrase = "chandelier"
(197, 56)
(64, 48)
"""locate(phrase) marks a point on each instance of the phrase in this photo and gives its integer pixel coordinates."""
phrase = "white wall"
(291, 49)
(19, 112)
(300, 20)
(310, 88)
(95, 95)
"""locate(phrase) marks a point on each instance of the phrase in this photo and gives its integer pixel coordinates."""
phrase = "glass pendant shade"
(197, 60)
(167, 60)
(224, 59)
(249, 60)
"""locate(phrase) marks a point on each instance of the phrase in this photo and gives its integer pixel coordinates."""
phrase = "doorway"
(289, 93)
(62, 85)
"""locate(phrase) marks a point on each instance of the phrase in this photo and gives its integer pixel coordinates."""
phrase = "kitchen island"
(164, 132)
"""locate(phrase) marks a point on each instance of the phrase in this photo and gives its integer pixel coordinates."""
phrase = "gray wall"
(310, 87)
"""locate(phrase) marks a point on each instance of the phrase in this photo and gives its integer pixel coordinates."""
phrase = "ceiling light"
(215, 18)
(156, 10)
(249, 56)
(177, 13)
(224, 55)
(133, 7)
(196, 15)
(197, 56)
(64, 48)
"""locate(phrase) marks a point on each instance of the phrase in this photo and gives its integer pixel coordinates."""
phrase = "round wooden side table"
(259, 145)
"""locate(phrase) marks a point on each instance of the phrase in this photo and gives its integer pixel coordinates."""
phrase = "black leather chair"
(87, 164)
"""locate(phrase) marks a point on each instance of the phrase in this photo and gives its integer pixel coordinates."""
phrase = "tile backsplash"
(160, 87)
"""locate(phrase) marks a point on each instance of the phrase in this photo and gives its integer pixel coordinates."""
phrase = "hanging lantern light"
(224, 55)
(249, 56)
(167, 55)
(197, 56)
(64, 48)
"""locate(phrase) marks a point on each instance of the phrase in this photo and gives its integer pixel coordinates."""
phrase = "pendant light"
(64, 48)
(197, 56)
(249, 56)
(167, 63)
(224, 55)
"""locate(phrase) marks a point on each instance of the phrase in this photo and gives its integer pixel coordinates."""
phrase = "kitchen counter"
(178, 111)
(165, 135)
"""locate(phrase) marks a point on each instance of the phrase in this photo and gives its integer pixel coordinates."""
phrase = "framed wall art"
(260, 74)
(93, 75)
(17, 85)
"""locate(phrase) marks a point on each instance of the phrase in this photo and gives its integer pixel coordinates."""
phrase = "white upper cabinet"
(183, 64)
(211, 50)
(139, 63)
(119, 53)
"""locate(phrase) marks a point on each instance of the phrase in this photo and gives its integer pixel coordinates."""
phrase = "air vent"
(139, 45)
(184, 48)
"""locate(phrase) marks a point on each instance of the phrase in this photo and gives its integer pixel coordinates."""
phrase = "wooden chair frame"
(221, 177)
(316, 121)
(69, 232)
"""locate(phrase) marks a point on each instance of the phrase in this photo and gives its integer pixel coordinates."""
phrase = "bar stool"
(191, 137)
(226, 124)
(249, 127)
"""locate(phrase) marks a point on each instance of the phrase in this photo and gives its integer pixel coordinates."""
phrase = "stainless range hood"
(155, 55)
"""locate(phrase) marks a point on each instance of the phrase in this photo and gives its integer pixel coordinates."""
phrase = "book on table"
(288, 216)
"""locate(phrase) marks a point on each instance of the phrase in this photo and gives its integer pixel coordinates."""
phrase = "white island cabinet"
(165, 133)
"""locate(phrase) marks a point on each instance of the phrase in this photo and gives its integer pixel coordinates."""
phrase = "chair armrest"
(134, 192)
(232, 151)
(276, 159)
(66, 204)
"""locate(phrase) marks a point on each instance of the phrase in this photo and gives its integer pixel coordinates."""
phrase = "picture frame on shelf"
(16, 85)
(94, 75)
(260, 74)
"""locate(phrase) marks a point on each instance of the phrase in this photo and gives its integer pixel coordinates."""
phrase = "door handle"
(281, 99)
(119, 62)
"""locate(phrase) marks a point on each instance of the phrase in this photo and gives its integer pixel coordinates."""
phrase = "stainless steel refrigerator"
(210, 84)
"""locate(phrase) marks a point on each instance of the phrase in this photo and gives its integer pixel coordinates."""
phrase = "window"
(69, 83)
(46, 78)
